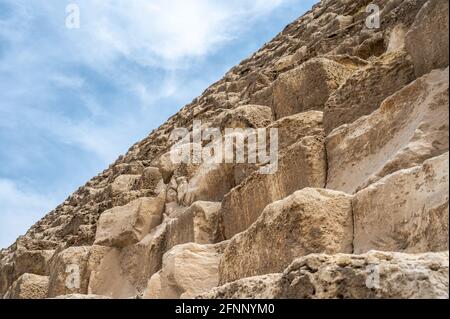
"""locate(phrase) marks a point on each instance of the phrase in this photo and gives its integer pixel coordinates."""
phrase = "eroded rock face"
(374, 275)
(309, 221)
(410, 127)
(302, 164)
(28, 286)
(68, 272)
(378, 275)
(259, 287)
(429, 33)
(308, 87)
(364, 91)
(413, 207)
(187, 270)
(155, 228)
(126, 225)
(247, 116)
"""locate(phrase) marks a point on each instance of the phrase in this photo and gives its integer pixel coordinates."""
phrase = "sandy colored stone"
(180, 229)
(153, 290)
(427, 40)
(410, 127)
(123, 184)
(302, 165)
(292, 128)
(107, 277)
(309, 221)
(69, 272)
(28, 286)
(365, 90)
(308, 86)
(189, 270)
(406, 211)
(151, 179)
(126, 225)
(290, 79)
(206, 219)
(259, 287)
(247, 116)
(32, 262)
(375, 275)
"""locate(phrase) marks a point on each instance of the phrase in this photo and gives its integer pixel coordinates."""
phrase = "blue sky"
(73, 100)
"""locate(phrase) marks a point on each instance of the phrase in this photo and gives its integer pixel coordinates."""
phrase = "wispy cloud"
(20, 209)
(72, 100)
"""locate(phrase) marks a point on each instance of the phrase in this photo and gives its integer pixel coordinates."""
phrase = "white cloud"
(162, 32)
(19, 210)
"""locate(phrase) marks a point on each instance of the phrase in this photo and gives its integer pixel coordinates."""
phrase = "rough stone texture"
(259, 287)
(308, 86)
(206, 219)
(153, 290)
(124, 273)
(302, 164)
(309, 221)
(187, 270)
(410, 127)
(107, 277)
(28, 286)
(429, 33)
(32, 261)
(364, 91)
(413, 205)
(327, 60)
(247, 116)
(375, 275)
(293, 128)
(125, 225)
(68, 272)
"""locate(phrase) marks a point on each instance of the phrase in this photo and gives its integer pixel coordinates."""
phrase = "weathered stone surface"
(302, 165)
(153, 290)
(180, 229)
(28, 286)
(127, 225)
(123, 184)
(308, 87)
(124, 273)
(328, 60)
(406, 211)
(32, 261)
(187, 270)
(410, 127)
(107, 277)
(293, 128)
(364, 91)
(309, 221)
(247, 116)
(6, 276)
(259, 287)
(68, 272)
(375, 275)
(427, 40)
(206, 221)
